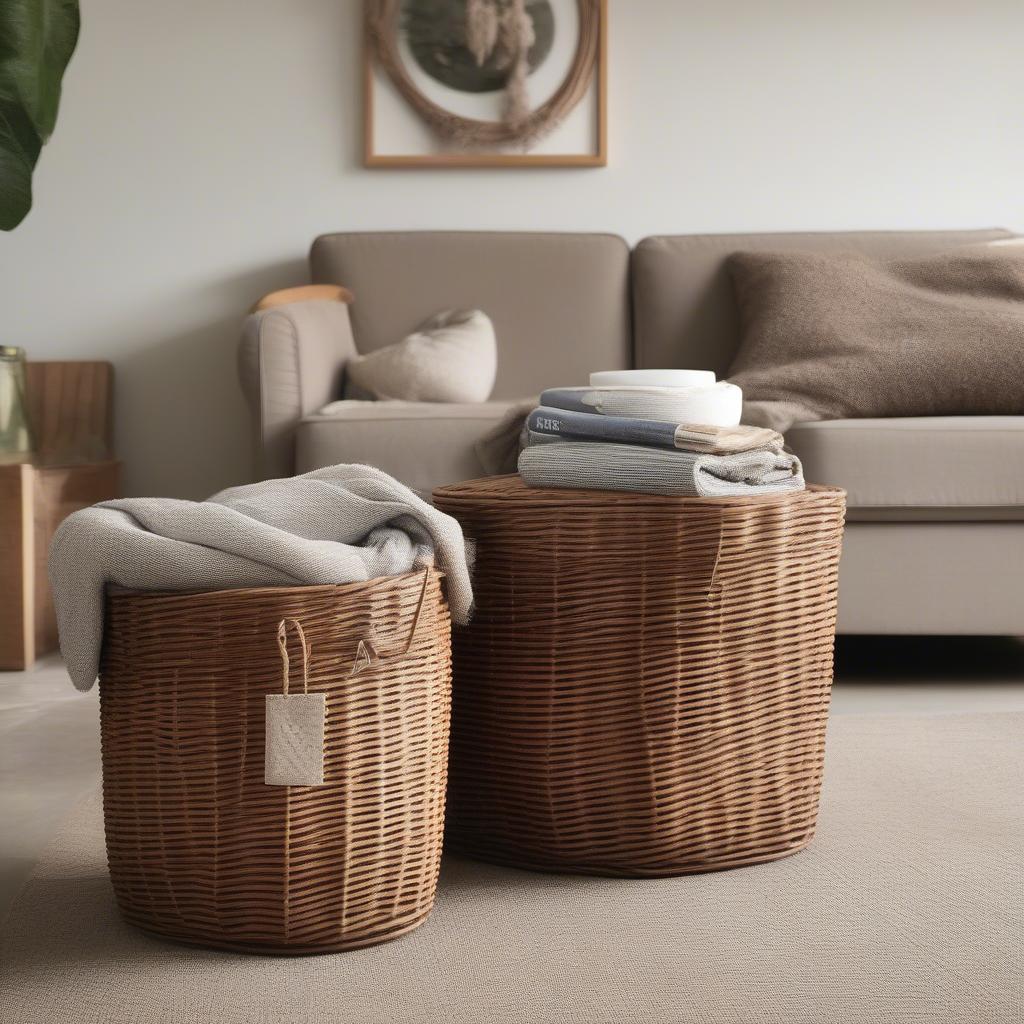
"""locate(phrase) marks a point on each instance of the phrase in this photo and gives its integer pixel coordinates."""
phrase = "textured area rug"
(908, 907)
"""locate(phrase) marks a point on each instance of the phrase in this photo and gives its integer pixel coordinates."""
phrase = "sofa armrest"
(290, 360)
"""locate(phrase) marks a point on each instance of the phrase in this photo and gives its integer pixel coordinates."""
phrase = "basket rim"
(120, 593)
(510, 487)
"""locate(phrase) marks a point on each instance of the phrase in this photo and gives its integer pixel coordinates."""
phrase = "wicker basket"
(644, 687)
(200, 848)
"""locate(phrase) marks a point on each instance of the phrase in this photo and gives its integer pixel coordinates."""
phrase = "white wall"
(203, 143)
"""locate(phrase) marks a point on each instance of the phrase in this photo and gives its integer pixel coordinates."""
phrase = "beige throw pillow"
(452, 357)
(840, 337)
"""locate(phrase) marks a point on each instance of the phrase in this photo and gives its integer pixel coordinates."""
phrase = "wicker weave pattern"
(200, 849)
(644, 687)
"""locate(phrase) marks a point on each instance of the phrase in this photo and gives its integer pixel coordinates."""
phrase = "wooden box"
(69, 411)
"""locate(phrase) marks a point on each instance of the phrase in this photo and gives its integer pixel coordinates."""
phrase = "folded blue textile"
(595, 427)
(568, 399)
(550, 424)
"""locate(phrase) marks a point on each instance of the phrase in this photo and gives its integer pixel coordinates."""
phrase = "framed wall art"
(486, 83)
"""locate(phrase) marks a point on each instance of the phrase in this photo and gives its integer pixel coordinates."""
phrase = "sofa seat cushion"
(957, 468)
(423, 444)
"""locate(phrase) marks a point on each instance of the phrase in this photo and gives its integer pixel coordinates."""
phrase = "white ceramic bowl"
(652, 378)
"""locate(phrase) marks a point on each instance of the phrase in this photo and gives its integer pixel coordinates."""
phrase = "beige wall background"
(203, 143)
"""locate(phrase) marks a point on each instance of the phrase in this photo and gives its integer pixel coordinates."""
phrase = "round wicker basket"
(201, 850)
(644, 686)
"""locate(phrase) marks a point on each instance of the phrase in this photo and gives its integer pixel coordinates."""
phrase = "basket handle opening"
(419, 612)
(366, 653)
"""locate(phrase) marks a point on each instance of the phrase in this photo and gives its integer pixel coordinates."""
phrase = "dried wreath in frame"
(485, 83)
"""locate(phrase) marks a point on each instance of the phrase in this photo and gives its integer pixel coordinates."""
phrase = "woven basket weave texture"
(200, 849)
(645, 683)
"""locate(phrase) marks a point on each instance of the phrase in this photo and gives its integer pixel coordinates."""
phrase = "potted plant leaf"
(37, 38)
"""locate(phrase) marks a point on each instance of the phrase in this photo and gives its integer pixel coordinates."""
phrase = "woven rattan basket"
(200, 848)
(644, 686)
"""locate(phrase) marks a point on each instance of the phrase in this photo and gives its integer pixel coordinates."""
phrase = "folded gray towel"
(337, 525)
(620, 467)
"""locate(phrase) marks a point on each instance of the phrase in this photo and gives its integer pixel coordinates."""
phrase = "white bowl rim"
(662, 378)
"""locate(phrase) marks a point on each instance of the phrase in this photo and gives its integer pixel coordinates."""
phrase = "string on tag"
(282, 643)
(295, 726)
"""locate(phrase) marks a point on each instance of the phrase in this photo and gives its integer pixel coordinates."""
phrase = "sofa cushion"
(945, 467)
(451, 357)
(423, 444)
(844, 337)
(559, 302)
(684, 310)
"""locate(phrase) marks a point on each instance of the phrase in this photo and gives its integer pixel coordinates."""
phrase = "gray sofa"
(935, 537)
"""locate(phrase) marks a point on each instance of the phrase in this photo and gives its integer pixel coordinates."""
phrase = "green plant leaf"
(19, 150)
(37, 38)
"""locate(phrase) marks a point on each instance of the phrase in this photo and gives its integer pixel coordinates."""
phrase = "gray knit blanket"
(337, 525)
(620, 467)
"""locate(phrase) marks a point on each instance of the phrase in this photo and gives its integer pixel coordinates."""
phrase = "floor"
(49, 733)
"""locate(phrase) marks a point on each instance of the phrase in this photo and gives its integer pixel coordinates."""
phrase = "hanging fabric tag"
(295, 739)
(295, 724)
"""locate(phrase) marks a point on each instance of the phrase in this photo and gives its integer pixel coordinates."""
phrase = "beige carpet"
(907, 908)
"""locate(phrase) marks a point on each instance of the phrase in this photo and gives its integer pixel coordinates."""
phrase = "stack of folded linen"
(655, 432)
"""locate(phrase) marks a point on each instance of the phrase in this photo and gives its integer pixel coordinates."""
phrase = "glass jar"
(15, 436)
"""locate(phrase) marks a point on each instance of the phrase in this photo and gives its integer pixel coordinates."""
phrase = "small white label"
(295, 739)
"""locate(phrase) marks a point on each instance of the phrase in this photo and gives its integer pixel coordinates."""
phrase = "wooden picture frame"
(597, 157)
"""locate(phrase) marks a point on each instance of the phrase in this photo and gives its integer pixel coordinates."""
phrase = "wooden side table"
(69, 407)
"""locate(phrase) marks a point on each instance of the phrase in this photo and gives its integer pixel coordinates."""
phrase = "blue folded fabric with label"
(694, 437)
(593, 426)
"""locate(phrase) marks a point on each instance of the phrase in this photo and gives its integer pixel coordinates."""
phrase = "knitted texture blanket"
(337, 525)
(835, 337)
(621, 467)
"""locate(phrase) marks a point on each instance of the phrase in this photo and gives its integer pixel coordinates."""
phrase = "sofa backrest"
(684, 314)
(559, 302)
